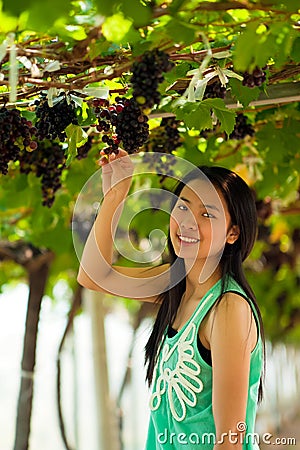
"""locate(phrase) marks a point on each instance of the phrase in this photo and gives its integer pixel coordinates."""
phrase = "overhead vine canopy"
(215, 82)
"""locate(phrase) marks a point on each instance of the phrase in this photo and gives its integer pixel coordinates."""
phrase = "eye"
(182, 207)
(209, 215)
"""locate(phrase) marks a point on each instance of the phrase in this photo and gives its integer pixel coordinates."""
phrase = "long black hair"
(240, 202)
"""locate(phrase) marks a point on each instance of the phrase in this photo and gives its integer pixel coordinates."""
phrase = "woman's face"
(199, 222)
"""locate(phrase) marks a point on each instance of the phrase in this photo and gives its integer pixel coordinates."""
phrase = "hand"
(117, 173)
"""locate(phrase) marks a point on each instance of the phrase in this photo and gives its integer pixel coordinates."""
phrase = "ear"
(233, 234)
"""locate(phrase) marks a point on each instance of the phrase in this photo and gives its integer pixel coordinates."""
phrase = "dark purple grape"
(242, 128)
(256, 78)
(214, 90)
(83, 150)
(147, 74)
(15, 133)
(52, 121)
(47, 162)
(122, 123)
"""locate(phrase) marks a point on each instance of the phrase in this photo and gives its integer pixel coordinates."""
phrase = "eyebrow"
(205, 206)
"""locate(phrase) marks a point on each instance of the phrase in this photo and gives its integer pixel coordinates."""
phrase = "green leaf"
(140, 14)
(76, 137)
(116, 27)
(253, 48)
(180, 32)
(107, 7)
(295, 53)
(225, 116)
(176, 5)
(16, 7)
(42, 15)
(242, 93)
(178, 71)
(195, 115)
(279, 144)
(291, 5)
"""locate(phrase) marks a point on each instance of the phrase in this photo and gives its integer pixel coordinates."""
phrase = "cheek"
(218, 235)
(173, 225)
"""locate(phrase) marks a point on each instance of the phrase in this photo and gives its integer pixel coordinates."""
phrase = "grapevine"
(121, 123)
(256, 78)
(147, 74)
(47, 162)
(15, 133)
(83, 150)
(52, 121)
(214, 90)
(241, 128)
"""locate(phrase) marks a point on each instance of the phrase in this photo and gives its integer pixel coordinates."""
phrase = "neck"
(201, 277)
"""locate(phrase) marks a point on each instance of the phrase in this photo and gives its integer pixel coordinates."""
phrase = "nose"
(188, 223)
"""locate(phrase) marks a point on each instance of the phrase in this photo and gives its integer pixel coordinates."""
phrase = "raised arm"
(96, 271)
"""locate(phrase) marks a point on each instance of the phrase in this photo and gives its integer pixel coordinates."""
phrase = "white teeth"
(187, 239)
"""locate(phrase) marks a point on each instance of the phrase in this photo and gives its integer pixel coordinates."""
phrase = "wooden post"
(108, 430)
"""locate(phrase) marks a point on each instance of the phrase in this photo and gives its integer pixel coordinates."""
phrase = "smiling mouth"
(187, 239)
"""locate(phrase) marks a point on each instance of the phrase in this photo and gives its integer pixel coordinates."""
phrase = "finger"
(121, 153)
(102, 161)
(112, 157)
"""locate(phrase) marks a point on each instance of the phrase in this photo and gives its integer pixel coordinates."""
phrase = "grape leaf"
(180, 32)
(140, 14)
(116, 27)
(195, 115)
(76, 137)
(15, 7)
(253, 49)
(106, 7)
(42, 15)
(242, 93)
(295, 53)
(225, 116)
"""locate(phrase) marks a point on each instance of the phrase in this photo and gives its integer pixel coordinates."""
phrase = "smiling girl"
(204, 356)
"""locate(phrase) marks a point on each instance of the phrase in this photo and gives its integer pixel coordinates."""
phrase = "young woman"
(205, 353)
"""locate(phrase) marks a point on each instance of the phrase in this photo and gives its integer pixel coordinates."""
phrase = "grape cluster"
(47, 162)
(15, 133)
(84, 149)
(122, 123)
(214, 90)
(132, 126)
(256, 78)
(165, 138)
(147, 74)
(53, 120)
(241, 128)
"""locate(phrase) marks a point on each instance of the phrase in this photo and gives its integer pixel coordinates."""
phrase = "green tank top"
(181, 414)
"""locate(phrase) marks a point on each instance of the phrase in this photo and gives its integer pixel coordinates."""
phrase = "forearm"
(96, 260)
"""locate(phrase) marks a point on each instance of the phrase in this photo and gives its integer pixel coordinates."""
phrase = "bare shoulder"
(233, 302)
(232, 318)
(233, 310)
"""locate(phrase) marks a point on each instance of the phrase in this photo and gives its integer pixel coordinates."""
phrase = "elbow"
(85, 281)
(82, 279)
